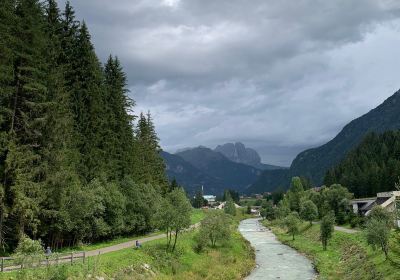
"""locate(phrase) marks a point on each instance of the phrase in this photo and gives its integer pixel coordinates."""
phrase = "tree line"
(372, 167)
(330, 206)
(76, 163)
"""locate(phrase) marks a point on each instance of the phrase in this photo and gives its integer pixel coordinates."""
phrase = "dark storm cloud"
(277, 75)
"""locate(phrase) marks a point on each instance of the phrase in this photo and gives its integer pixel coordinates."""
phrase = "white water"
(274, 260)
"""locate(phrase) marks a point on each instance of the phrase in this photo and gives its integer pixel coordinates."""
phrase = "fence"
(10, 264)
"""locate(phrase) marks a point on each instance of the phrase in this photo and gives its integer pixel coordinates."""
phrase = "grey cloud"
(280, 75)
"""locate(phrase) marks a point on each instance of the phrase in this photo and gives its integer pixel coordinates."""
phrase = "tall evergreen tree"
(150, 165)
(60, 151)
(119, 138)
(88, 106)
(24, 168)
(7, 21)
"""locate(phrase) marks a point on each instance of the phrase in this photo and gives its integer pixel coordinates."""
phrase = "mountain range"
(314, 163)
(228, 166)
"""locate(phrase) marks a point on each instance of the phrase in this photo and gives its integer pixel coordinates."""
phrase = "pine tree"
(24, 168)
(60, 151)
(150, 165)
(7, 21)
(87, 98)
(119, 138)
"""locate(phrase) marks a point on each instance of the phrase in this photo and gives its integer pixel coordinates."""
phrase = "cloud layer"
(279, 76)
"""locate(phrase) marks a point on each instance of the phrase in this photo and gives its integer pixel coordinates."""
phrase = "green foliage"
(295, 194)
(74, 165)
(198, 200)
(347, 256)
(326, 229)
(372, 167)
(378, 229)
(215, 227)
(268, 211)
(248, 209)
(292, 223)
(173, 215)
(230, 207)
(308, 211)
(28, 252)
(234, 195)
(336, 198)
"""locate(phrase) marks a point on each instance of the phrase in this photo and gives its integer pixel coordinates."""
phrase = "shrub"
(292, 223)
(327, 227)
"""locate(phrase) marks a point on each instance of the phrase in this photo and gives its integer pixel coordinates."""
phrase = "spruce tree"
(24, 168)
(7, 21)
(60, 151)
(119, 138)
(87, 98)
(150, 166)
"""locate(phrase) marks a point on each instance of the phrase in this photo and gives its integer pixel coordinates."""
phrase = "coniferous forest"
(76, 164)
(372, 167)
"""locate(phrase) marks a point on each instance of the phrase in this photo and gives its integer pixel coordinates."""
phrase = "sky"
(279, 76)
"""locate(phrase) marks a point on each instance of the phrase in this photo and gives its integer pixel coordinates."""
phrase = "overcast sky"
(279, 76)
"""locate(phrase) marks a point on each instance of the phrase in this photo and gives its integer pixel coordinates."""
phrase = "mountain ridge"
(314, 163)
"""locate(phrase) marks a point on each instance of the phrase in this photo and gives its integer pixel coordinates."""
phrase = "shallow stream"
(274, 259)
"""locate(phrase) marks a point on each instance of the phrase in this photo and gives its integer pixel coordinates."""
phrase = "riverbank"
(232, 259)
(347, 257)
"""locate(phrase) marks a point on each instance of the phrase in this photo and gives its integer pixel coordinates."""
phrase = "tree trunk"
(2, 243)
(176, 237)
(169, 238)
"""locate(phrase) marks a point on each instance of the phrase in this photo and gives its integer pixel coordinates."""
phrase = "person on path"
(47, 253)
(138, 245)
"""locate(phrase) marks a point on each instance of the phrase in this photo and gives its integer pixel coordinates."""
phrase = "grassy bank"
(231, 259)
(347, 257)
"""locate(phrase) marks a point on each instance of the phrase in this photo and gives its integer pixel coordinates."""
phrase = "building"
(212, 199)
(387, 200)
(222, 205)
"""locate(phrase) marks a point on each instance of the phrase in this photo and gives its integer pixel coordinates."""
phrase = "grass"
(197, 216)
(347, 257)
(231, 259)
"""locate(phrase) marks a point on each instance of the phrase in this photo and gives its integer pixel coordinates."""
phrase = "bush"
(292, 223)
(326, 229)
(28, 252)
(215, 227)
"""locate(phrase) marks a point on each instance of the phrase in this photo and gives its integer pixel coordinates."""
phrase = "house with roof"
(387, 200)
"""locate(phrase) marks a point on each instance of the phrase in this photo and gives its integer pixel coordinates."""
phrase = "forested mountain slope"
(314, 163)
(372, 167)
(190, 177)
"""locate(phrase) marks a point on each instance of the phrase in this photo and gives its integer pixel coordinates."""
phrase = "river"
(274, 259)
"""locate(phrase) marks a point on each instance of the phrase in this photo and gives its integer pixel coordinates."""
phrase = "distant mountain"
(189, 176)
(237, 152)
(314, 163)
(236, 176)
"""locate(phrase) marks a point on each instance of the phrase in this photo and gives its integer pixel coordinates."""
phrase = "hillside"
(238, 152)
(236, 176)
(189, 176)
(372, 167)
(314, 163)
